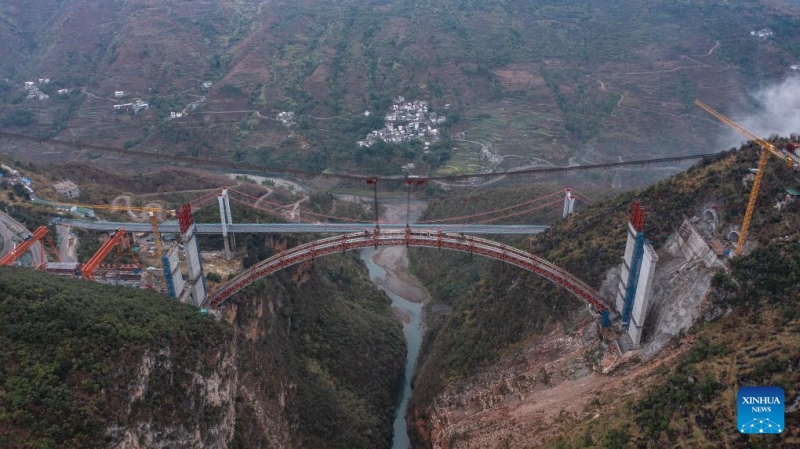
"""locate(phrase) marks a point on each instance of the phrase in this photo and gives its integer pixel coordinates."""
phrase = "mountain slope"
(320, 343)
(750, 338)
(488, 342)
(543, 79)
(290, 365)
(85, 365)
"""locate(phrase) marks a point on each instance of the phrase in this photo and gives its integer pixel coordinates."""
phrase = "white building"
(139, 106)
(67, 189)
(119, 94)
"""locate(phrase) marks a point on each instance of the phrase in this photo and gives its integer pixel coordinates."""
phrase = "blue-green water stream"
(413, 333)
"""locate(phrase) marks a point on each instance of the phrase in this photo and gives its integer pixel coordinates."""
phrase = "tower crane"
(767, 149)
(156, 235)
(152, 213)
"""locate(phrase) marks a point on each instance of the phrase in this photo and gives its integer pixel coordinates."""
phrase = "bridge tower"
(196, 293)
(636, 280)
(569, 203)
(172, 272)
(617, 182)
(226, 219)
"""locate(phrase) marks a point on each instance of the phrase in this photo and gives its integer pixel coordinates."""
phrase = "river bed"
(388, 269)
(412, 312)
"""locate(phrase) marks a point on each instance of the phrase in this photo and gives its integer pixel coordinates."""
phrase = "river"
(388, 269)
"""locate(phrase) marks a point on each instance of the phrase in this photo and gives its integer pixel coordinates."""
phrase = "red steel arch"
(409, 237)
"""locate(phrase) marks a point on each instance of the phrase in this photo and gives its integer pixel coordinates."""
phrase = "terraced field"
(543, 81)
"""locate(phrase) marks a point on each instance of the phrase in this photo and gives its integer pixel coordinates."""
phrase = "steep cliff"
(320, 358)
(310, 357)
(86, 365)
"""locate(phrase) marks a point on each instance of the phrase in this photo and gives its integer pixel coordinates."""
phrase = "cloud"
(777, 110)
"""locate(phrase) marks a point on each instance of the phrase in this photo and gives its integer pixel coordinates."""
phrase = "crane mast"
(156, 235)
(767, 148)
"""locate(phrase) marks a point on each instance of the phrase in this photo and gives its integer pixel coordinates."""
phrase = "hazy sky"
(778, 110)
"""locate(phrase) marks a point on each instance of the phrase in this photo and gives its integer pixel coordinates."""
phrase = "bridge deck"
(312, 228)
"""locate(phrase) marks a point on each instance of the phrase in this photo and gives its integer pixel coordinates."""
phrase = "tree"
(20, 118)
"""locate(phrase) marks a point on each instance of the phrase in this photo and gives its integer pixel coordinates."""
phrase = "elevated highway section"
(306, 228)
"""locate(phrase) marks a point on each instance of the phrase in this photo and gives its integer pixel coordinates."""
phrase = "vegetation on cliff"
(330, 334)
(313, 357)
(70, 351)
(331, 354)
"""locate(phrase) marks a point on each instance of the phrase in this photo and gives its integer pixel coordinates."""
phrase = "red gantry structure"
(39, 234)
(87, 271)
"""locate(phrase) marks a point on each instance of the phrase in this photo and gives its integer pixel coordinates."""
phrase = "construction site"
(159, 249)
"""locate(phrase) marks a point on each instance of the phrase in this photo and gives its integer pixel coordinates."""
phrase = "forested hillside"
(308, 358)
(81, 363)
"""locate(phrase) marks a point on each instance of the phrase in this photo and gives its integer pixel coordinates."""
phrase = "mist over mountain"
(776, 109)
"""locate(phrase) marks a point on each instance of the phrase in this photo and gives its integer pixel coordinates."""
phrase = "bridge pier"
(569, 203)
(196, 293)
(225, 220)
(172, 272)
(636, 281)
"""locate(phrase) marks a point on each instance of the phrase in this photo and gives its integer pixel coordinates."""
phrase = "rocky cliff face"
(531, 397)
(264, 389)
(238, 393)
(310, 357)
(88, 365)
(493, 400)
(317, 352)
(524, 399)
(203, 414)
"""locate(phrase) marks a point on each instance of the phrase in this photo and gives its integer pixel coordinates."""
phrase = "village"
(408, 120)
(36, 91)
(764, 33)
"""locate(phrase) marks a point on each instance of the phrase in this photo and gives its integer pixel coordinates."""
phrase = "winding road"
(144, 216)
(11, 229)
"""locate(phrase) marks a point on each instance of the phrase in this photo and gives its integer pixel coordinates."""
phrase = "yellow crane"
(762, 165)
(156, 235)
(111, 207)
